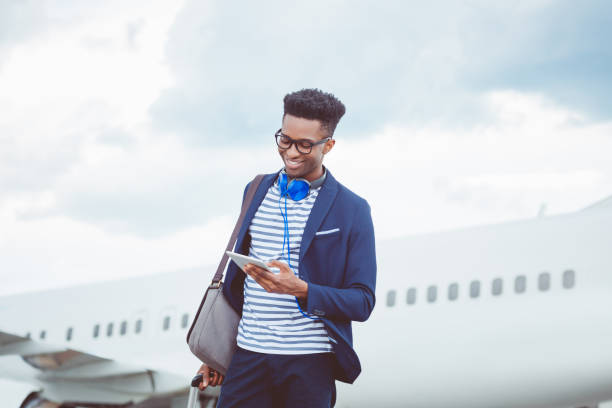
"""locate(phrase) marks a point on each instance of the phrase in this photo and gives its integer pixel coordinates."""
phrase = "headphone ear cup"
(298, 189)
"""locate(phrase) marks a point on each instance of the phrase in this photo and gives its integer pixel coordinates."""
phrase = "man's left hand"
(284, 282)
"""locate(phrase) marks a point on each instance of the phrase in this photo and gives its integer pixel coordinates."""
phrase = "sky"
(129, 129)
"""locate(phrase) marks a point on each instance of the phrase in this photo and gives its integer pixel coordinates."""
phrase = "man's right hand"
(210, 376)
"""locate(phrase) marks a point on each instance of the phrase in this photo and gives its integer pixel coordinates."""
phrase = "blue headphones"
(298, 188)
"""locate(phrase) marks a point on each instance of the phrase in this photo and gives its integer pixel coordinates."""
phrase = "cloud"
(556, 49)
(154, 188)
(59, 251)
(529, 152)
(128, 131)
(161, 205)
(25, 21)
(404, 63)
(231, 77)
(80, 82)
(19, 20)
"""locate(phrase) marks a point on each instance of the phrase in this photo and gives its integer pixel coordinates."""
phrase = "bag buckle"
(215, 285)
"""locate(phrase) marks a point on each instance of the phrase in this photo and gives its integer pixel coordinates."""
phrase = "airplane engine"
(22, 395)
(34, 400)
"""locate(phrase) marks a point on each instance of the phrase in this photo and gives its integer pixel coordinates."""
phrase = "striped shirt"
(272, 323)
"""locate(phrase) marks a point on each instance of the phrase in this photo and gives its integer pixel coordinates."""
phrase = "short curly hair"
(315, 104)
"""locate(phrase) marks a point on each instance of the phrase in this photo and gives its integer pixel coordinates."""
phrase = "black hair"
(315, 104)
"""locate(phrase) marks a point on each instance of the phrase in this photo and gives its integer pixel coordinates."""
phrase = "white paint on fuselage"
(531, 349)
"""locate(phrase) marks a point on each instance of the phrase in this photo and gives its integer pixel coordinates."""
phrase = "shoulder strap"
(248, 199)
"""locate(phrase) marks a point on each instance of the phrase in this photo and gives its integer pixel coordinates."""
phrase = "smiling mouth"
(293, 163)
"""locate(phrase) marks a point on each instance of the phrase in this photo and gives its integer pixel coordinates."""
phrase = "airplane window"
(166, 322)
(96, 331)
(391, 298)
(123, 328)
(185, 321)
(411, 296)
(138, 326)
(474, 289)
(569, 279)
(432, 293)
(43, 334)
(544, 281)
(69, 334)
(520, 284)
(453, 291)
(109, 330)
(497, 286)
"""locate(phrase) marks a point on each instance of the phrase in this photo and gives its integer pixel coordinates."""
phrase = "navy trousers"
(274, 380)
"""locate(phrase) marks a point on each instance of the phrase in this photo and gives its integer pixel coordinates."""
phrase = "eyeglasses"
(304, 146)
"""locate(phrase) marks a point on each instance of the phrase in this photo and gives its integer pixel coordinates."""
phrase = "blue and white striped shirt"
(272, 323)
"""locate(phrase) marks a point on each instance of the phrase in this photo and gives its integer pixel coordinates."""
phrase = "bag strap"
(248, 199)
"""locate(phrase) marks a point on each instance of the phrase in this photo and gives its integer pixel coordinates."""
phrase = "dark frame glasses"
(304, 146)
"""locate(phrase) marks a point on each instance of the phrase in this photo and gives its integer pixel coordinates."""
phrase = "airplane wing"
(62, 374)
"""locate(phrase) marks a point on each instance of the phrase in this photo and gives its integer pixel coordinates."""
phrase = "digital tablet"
(242, 260)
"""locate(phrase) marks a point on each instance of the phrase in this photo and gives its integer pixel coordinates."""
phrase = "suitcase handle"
(195, 381)
(193, 391)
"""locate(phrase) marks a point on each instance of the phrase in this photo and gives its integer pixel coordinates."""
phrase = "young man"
(295, 338)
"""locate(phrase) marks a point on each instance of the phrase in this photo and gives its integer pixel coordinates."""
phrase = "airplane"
(516, 314)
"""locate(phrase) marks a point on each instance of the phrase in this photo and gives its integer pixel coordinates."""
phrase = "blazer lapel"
(257, 199)
(321, 207)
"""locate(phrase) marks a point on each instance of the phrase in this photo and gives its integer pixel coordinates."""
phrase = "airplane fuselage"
(509, 315)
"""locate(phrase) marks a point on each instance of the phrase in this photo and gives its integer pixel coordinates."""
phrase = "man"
(295, 338)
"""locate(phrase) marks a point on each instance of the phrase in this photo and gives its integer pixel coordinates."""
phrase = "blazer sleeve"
(355, 301)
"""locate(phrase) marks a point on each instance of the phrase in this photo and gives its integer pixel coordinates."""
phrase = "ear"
(328, 146)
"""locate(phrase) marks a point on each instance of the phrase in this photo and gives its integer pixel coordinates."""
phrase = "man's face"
(298, 165)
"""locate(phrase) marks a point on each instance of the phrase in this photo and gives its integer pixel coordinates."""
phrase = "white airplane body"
(509, 315)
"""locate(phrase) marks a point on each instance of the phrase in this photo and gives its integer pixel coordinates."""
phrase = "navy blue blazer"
(339, 266)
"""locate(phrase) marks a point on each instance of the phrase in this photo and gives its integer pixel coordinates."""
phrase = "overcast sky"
(129, 129)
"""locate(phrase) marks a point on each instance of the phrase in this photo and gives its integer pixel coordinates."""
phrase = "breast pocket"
(326, 240)
(332, 231)
(329, 249)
